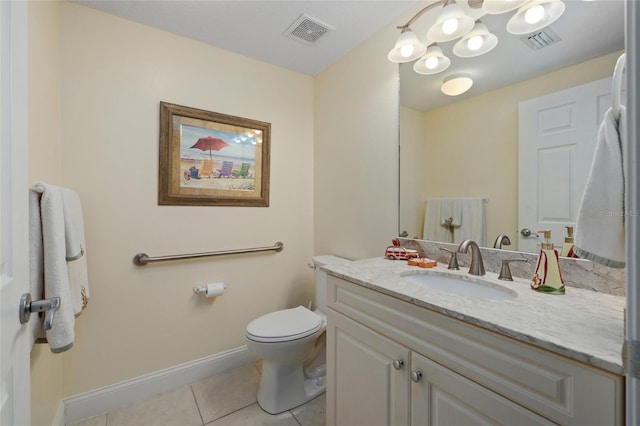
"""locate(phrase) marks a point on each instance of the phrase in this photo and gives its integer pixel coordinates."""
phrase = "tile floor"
(228, 399)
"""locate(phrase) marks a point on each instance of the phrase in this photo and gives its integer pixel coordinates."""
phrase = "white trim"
(632, 334)
(118, 395)
(58, 419)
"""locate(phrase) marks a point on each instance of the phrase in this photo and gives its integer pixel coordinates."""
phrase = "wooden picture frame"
(212, 159)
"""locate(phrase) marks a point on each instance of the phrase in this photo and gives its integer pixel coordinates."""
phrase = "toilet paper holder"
(210, 290)
(200, 289)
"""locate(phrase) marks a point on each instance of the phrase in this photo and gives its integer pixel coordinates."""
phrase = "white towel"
(75, 250)
(451, 212)
(600, 233)
(433, 229)
(36, 263)
(51, 274)
(473, 225)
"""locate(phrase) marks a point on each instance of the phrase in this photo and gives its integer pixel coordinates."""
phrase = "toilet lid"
(284, 325)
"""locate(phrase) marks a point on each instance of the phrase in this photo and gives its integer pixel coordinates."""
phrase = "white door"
(557, 138)
(14, 215)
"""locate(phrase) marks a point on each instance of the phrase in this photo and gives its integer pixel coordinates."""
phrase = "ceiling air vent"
(540, 39)
(307, 29)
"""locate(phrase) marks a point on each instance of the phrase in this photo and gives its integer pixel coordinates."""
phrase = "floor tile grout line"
(294, 417)
(230, 413)
(197, 405)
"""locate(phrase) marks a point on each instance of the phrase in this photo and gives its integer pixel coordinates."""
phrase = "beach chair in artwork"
(244, 170)
(207, 168)
(225, 171)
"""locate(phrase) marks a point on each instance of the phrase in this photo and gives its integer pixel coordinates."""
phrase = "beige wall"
(472, 145)
(356, 151)
(112, 74)
(412, 171)
(44, 166)
(142, 319)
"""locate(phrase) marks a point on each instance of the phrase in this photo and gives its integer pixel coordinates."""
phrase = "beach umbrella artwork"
(210, 144)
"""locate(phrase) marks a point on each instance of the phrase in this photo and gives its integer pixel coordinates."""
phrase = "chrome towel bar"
(142, 259)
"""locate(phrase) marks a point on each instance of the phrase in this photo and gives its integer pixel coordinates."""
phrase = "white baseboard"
(118, 395)
(59, 419)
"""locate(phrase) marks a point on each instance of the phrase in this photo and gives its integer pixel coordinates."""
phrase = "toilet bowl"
(291, 344)
(284, 340)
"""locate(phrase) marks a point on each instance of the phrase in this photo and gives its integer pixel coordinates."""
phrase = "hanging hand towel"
(451, 212)
(600, 232)
(473, 226)
(433, 229)
(58, 260)
(75, 250)
(36, 263)
(56, 276)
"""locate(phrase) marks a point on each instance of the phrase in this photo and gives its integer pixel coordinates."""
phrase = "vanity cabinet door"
(440, 396)
(367, 376)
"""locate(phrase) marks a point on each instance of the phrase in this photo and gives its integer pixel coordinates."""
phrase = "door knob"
(416, 376)
(526, 232)
(398, 364)
(50, 306)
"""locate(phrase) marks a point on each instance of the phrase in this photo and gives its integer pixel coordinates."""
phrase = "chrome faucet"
(477, 267)
(502, 239)
(453, 260)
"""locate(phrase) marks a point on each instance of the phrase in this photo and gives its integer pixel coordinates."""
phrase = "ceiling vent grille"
(540, 39)
(307, 29)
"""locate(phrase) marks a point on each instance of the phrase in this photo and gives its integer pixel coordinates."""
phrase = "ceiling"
(258, 29)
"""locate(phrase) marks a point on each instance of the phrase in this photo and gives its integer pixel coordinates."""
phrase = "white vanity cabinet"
(372, 390)
(390, 362)
(441, 397)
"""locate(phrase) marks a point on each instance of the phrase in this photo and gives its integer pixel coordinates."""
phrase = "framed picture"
(212, 159)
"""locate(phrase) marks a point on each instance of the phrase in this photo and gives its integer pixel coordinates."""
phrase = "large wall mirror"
(468, 145)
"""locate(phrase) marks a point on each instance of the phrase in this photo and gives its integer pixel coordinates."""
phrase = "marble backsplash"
(578, 273)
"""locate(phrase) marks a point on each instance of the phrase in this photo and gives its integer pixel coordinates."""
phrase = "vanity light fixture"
(476, 42)
(456, 84)
(535, 15)
(433, 62)
(451, 24)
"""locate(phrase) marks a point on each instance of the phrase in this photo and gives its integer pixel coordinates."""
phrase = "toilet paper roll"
(215, 289)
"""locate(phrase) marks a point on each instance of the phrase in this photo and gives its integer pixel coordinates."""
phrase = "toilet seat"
(284, 325)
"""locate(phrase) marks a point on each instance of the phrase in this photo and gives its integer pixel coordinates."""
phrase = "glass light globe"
(406, 50)
(450, 26)
(475, 43)
(534, 15)
(431, 62)
(456, 85)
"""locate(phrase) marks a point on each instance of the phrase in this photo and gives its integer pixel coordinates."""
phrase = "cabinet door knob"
(416, 376)
(398, 364)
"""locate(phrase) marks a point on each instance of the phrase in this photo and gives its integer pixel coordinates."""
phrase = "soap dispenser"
(547, 278)
(567, 248)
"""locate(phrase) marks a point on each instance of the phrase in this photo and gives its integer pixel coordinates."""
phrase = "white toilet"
(289, 342)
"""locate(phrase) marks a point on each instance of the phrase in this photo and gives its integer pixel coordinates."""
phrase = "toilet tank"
(321, 278)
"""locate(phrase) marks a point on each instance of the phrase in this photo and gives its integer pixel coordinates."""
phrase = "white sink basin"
(479, 290)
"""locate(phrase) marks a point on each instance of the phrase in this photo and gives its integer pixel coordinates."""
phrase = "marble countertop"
(583, 325)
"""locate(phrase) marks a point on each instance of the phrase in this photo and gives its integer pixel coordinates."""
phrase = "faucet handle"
(505, 271)
(453, 260)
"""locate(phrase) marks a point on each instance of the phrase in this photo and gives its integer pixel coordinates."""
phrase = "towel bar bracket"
(142, 259)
